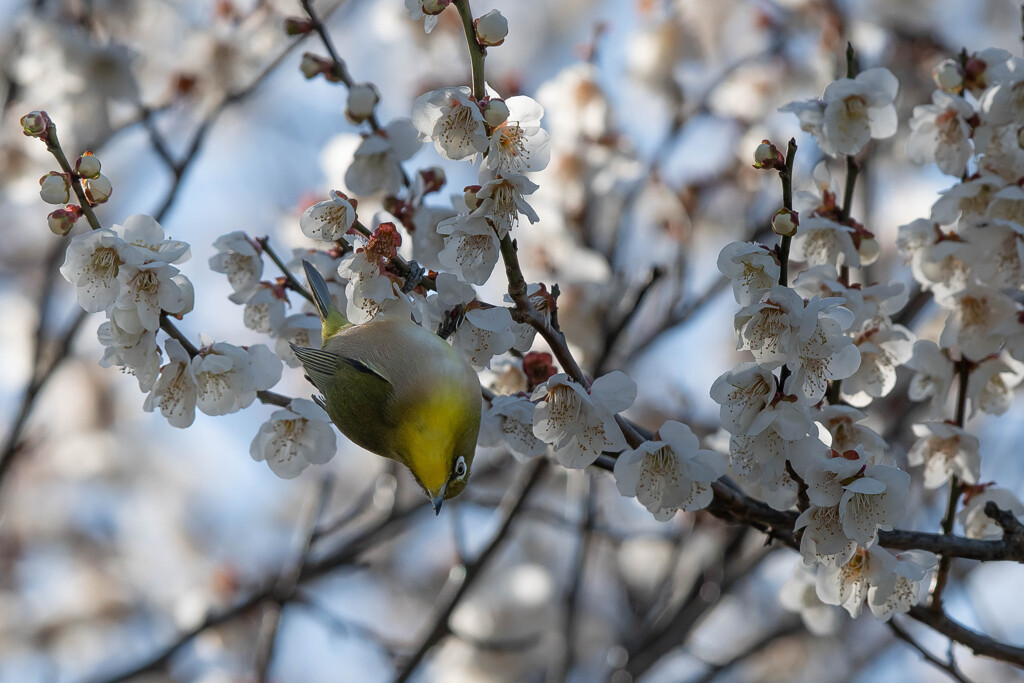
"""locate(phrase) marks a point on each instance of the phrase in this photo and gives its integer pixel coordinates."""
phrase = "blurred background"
(133, 550)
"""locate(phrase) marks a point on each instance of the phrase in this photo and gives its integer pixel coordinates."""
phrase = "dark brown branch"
(948, 667)
(980, 644)
(438, 628)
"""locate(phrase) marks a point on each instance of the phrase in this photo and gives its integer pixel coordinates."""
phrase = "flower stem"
(54, 148)
(786, 175)
(477, 52)
(290, 280)
(963, 372)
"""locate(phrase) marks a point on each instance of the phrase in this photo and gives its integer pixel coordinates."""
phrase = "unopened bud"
(470, 197)
(869, 250)
(61, 221)
(1020, 137)
(495, 112)
(87, 165)
(491, 28)
(297, 26)
(54, 188)
(433, 179)
(362, 98)
(312, 66)
(768, 156)
(98, 189)
(785, 222)
(948, 76)
(434, 6)
(34, 124)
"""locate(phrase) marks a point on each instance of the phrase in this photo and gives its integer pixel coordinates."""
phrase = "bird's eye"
(460, 468)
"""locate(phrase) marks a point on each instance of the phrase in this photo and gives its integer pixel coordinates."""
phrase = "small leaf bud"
(98, 189)
(312, 66)
(54, 188)
(297, 26)
(362, 98)
(785, 222)
(495, 112)
(491, 28)
(34, 124)
(87, 165)
(948, 76)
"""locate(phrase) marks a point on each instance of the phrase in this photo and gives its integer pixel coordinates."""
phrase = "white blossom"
(136, 352)
(882, 349)
(798, 594)
(94, 260)
(485, 333)
(990, 384)
(376, 164)
(145, 234)
(502, 200)
(452, 119)
(876, 500)
(264, 307)
(933, 375)
(848, 584)
(229, 376)
(471, 248)
(578, 424)
(329, 220)
(369, 291)
(294, 438)
(146, 289)
(979, 321)
(175, 392)
(823, 241)
(895, 592)
(742, 393)
(237, 257)
(841, 422)
(509, 422)
(939, 133)
(301, 329)
(945, 450)
(752, 268)
(973, 518)
(670, 473)
(519, 145)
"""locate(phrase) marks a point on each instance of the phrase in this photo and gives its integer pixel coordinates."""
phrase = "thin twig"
(949, 667)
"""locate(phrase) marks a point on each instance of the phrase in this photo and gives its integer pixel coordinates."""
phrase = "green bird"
(396, 390)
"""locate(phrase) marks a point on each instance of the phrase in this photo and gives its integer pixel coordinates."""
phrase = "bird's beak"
(438, 499)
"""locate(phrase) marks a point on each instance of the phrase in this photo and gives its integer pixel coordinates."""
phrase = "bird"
(397, 390)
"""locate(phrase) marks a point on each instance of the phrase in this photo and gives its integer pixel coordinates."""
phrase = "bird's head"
(442, 483)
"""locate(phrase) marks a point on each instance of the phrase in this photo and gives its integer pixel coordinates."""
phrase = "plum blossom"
(301, 329)
(146, 289)
(972, 516)
(933, 375)
(137, 353)
(940, 133)
(899, 590)
(823, 241)
(770, 328)
(876, 500)
(848, 584)
(329, 220)
(502, 200)
(145, 234)
(519, 144)
(851, 112)
(509, 422)
(742, 394)
(979, 320)
(752, 268)
(376, 164)
(175, 392)
(485, 333)
(427, 10)
(798, 594)
(945, 450)
(452, 119)
(841, 422)
(264, 307)
(577, 423)
(471, 248)
(822, 352)
(990, 385)
(92, 264)
(822, 540)
(882, 348)
(669, 473)
(238, 257)
(294, 438)
(227, 376)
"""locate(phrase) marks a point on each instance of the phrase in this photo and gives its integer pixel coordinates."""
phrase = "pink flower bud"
(62, 220)
(54, 188)
(495, 112)
(868, 250)
(491, 28)
(785, 222)
(98, 189)
(87, 165)
(35, 123)
(767, 156)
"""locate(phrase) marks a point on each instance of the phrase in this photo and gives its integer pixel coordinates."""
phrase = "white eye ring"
(460, 468)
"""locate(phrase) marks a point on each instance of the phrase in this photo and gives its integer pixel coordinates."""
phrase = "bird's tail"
(331, 319)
